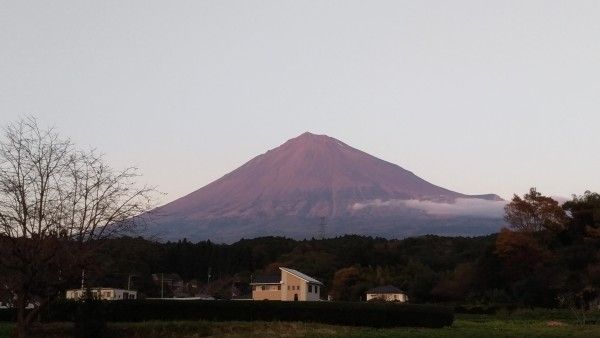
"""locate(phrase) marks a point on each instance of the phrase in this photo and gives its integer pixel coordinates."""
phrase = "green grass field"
(548, 324)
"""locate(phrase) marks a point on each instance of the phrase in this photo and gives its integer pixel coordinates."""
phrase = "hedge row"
(477, 309)
(340, 313)
(486, 309)
(7, 315)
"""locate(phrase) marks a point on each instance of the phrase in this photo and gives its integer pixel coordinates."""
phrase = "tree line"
(549, 255)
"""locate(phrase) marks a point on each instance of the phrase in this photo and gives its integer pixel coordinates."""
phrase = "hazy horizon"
(474, 97)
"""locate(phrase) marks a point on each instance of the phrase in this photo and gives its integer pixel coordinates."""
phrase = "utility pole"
(162, 285)
(209, 275)
(129, 281)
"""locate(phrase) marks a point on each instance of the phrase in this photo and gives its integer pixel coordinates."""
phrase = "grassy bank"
(464, 326)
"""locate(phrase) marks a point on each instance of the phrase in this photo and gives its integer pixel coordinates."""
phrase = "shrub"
(477, 309)
(89, 319)
(8, 315)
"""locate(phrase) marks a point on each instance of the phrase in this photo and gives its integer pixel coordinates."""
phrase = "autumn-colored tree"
(520, 253)
(343, 281)
(535, 212)
(529, 268)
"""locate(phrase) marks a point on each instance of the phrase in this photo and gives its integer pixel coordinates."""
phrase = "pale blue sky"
(475, 96)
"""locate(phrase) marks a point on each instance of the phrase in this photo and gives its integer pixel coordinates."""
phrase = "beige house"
(291, 285)
(387, 293)
(103, 294)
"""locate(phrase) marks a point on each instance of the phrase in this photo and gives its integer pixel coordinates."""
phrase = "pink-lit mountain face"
(286, 191)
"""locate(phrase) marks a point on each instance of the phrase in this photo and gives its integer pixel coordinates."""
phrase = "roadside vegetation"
(464, 326)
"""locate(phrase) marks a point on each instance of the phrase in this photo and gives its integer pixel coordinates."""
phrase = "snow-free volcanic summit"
(288, 190)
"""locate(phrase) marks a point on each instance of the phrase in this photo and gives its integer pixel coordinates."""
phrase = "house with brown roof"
(387, 293)
(290, 285)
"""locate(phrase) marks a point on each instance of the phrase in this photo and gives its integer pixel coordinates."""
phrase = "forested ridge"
(528, 267)
(412, 264)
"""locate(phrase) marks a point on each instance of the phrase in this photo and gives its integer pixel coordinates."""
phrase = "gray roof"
(266, 279)
(301, 275)
(385, 289)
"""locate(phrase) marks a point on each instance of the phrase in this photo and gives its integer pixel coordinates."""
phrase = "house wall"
(390, 297)
(103, 294)
(270, 292)
(315, 295)
(291, 286)
(71, 294)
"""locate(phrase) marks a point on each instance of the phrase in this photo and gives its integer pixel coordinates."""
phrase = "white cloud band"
(460, 207)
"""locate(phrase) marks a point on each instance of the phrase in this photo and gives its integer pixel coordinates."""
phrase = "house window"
(262, 288)
(310, 288)
(278, 287)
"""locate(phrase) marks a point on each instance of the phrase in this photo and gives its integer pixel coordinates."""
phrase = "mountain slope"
(290, 187)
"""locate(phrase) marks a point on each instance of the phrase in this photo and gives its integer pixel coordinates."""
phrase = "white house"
(291, 285)
(103, 294)
(387, 293)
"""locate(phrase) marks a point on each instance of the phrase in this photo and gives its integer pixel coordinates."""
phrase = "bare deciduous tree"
(57, 203)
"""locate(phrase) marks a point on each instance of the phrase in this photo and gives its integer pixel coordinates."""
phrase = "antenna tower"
(322, 228)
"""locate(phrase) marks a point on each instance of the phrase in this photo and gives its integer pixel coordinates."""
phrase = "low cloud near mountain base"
(461, 207)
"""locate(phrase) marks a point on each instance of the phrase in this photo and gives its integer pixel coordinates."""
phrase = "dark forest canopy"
(412, 264)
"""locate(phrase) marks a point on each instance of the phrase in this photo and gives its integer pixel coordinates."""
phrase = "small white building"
(103, 294)
(388, 293)
(7, 305)
(7, 300)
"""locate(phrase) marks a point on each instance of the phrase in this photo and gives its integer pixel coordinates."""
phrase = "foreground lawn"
(463, 327)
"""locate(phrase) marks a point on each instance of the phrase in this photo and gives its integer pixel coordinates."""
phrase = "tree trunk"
(22, 330)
